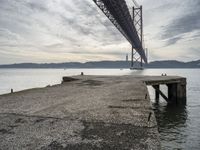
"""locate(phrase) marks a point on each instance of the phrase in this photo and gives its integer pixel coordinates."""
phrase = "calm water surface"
(179, 127)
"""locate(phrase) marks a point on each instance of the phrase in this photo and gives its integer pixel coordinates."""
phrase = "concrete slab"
(93, 112)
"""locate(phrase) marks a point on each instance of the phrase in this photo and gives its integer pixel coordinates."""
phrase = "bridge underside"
(118, 13)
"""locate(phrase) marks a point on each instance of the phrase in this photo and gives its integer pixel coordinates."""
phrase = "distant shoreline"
(96, 68)
(104, 65)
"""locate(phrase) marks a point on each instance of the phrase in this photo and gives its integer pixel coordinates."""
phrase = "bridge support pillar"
(136, 60)
(177, 92)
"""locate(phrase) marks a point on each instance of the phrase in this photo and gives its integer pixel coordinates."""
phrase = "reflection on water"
(171, 122)
(179, 127)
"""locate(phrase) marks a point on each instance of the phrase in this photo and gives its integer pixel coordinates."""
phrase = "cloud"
(77, 30)
(55, 26)
(37, 6)
(173, 40)
(187, 22)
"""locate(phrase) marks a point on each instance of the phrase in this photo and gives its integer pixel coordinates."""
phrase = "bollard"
(11, 90)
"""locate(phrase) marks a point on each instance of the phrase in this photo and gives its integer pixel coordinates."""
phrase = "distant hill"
(173, 64)
(107, 64)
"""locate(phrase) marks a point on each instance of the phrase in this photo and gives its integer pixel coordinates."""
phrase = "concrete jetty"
(84, 112)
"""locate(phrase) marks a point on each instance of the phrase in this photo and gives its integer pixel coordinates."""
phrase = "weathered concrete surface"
(94, 112)
(156, 80)
(177, 93)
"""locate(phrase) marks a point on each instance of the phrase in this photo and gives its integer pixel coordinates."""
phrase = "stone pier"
(176, 88)
(82, 113)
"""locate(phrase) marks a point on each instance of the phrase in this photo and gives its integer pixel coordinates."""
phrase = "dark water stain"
(5, 131)
(129, 107)
(20, 120)
(39, 120)
(114, 136)
(91, 83)
(107, 136)
(69, 79)
(132, 100)
(54, 146)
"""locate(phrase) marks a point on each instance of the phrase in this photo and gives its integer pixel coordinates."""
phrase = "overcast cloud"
(76, 30)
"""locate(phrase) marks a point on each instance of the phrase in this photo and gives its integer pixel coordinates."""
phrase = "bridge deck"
(93, 112)
(118, 13)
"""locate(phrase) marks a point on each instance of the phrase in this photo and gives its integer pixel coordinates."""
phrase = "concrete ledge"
(93, 112)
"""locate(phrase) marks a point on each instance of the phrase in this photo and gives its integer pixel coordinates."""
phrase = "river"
(179, 127)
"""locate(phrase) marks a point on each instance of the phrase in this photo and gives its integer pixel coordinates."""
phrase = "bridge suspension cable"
(136, 4)
(118, 13)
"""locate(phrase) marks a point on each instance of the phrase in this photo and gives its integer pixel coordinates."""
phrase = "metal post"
(133, 15)
(141, 21)
(147, 55)
(132, 50)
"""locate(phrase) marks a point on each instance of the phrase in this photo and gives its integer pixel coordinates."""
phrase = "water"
(179, 127)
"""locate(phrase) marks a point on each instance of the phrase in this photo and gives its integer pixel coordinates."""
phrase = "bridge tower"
(129, 24)
(136, 59)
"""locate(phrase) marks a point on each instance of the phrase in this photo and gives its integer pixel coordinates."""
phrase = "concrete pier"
(176, 86)
(85, 112)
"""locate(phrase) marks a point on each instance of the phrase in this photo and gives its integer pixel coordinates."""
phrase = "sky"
(76, 30)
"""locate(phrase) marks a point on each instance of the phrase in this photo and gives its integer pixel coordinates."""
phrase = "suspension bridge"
(129, 24)
(92, 112)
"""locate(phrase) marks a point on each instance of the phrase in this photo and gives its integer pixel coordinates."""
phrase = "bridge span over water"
(130, 24)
